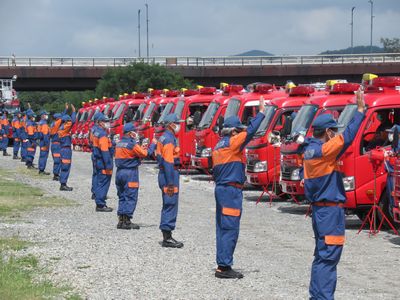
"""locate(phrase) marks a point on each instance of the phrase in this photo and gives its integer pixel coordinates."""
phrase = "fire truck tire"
(387, 209)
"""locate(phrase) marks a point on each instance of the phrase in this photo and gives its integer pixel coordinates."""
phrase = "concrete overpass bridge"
(80, 73)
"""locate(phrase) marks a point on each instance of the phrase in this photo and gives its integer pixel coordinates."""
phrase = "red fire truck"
(207, 132)
(263, 155)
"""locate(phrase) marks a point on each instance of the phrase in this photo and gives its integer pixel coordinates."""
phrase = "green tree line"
(115, 81)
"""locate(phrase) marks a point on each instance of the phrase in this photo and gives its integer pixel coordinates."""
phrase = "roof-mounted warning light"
(173, 93)
(263, 88)
(344, 88)
(232, 88)
(139, 96)
(391, 82)
(209, 90)
(187, 92)
(301, 90)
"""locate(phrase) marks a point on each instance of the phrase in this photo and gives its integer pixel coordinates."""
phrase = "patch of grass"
(17, 197)
(18, 276)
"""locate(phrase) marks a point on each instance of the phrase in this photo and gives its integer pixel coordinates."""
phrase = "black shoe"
(6, 154)
(103, 208)
(15, 157)
(93, 196)
(30, 167)
(44, 173)
(66, 188)
(228, 274)
(120, 221)
(56, 178)
(127, 224)
(23, 160)
(169, 241)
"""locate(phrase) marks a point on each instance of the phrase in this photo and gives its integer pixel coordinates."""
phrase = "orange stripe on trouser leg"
(337, 240)
(56, 155)
(31, 149)
(66, 161)
(106, 172)
(234, 212)
(176, 190)
(133, 184)
(17, 140)
(44, 149)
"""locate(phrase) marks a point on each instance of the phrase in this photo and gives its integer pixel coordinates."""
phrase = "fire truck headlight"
(295, 174)
(260, 166)
(349, 183)
(206, 152)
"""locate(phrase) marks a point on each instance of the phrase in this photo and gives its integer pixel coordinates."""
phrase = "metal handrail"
(203, 61)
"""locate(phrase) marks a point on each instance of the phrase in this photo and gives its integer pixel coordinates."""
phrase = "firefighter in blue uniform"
(104, 162)
(16, 132)
(168, 179)
(128, 154)
(32, 137)
(324, 188)
(55, 145)
(44, 144)
(5, 131)
(64, 134)
(229, 176)
(24, 136)
(92, 156)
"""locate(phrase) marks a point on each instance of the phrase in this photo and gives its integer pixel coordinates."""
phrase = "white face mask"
(177, 128)
(46, 117)
(106, 125)
(390, 137)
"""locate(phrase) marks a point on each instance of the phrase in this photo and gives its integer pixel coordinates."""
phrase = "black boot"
(227, 273)
(5, 153)
(93, 196)
(169, 241)
(56, 178)
(127, 224)
(103, 208)
(65, 187)
(15, 157)
(23, 160)
(120, 221)
(30, 166)
(44, 173)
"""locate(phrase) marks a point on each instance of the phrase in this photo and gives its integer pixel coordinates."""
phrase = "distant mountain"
(255, 53)
(356, 50)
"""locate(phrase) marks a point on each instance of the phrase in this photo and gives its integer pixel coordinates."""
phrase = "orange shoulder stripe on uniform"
(237, 141)
(55, 127)
(226, 155)
(332, 148)
(319, 167)
(123, 153)
(139, 151)
(167, 153)
(103, 143)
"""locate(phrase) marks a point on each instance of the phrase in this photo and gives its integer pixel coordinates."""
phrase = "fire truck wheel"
(387, 209)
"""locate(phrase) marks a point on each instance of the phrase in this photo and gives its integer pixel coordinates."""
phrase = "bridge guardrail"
(188, 61)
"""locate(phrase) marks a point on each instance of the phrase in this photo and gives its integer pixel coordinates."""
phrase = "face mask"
(134, 135)
(105, 125)
(46, 117)
(177, 128)
(390, 137)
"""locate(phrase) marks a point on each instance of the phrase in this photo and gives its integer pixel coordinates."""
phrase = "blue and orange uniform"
(44, 137)
(16, 133)
(55, 145)
(92, 157)
(323, 185)
(229, 176)
(5, 131)
(104, 165)
(64, 134)
(32, 136)
(24, 137)
(128, 155)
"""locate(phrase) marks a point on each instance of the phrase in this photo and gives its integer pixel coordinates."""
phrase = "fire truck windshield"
(303, 119)
(179, 109)
(208, 115)
(119, 111)
(269, 114)
(139, 112)
(165, 112)
(106, 109)
(233, 108)
(97, 110)
(83, 116)
(149, 111)
(346, 116)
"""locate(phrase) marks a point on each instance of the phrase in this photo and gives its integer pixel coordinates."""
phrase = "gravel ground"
(84, 249)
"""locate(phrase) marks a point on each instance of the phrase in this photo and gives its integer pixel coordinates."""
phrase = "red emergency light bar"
(386, 82)
(232, 88)
(264, 88)
(154, 93)
(209, 90)
(187, 93)
(110, 100)
(301, 90)
(344, 88)
(173, 93)
(138, 96)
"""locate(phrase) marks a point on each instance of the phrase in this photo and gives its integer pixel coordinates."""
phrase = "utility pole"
(372, 23)
(139, 30)
(352, 27)
(147, 31)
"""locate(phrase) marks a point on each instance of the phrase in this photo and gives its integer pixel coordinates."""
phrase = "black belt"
(328, 203)
(236, 185)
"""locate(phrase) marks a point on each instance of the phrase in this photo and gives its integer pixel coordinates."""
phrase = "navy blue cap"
(233, 122)
(66, 118)
(171, 118)
(100, 117)
(325, 121)
(57, 116)
(391, 130)
(128, 127)
(43, 112)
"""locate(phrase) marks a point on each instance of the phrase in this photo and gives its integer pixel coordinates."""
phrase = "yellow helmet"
(183, 89)
(223, 85)
(369, 76)
(134, 93)
(199, 87)
(165, 90)
(290, 85)
(150, 90)
(125, 94)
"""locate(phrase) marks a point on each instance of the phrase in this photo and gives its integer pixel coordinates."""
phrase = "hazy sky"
(189, 27)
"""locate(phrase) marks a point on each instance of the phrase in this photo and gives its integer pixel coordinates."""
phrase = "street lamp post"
(372, 23)
(352, 27)
(139, 30)
(147, 30)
